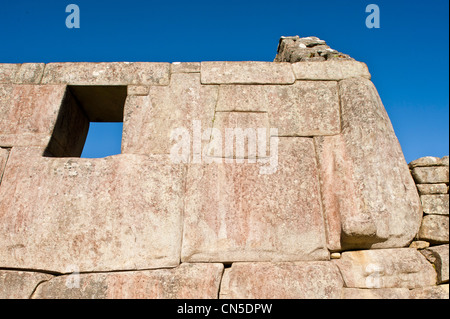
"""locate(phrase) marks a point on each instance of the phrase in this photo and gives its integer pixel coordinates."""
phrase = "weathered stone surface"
(306, 108)
(434, 292)
(185, 67)
(234, 213)
(246, 73)
(8, 72)
(301, 280)
(386, 268)
(239, 135)
(107, 73)
(30, 73)
(430, 175)
(357, 166)
(429, 161)
(116, 213)
(138, 90)
(435, 204)
(434, 229)
(28, 113)
(188, 281)
(382, 293)
(335, 70)
(430, 189)
(439, 256)
(149, 121)
(20, 284)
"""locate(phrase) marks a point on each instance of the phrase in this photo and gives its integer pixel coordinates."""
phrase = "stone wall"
(324, 207)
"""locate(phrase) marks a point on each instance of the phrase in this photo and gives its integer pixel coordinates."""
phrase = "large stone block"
(30, 73)
(185, 67)
(306, 108)
(107, 73)
(246, 73)
(431, 292)
(435, 204)
(150, 121)
(386, 268)
(117, 213)
(20, 284)
(434, 228)
(245, 98)
(434, 292)
(8, 72)
(330, 70)
(236, 135)
(188, 281)
(376, 198)
(439, 256)
(234, 213)
(382, 293)
(28, 113)
(301, 280)
(430, 175)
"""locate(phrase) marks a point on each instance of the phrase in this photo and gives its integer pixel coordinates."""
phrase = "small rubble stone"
(335, 255)
(434, 229)
(431, 189)
(419, 244)
(435, 204)
(296, 49)
(426, 161)
(430, 175)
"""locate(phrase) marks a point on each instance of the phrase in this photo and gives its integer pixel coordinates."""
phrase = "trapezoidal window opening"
(89, 122)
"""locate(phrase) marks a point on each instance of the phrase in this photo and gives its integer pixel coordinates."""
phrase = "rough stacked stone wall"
(338, 215)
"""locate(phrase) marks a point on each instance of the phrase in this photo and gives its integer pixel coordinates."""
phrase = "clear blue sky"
(408, 56)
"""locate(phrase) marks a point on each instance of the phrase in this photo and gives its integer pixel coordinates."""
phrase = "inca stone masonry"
(343, 216)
